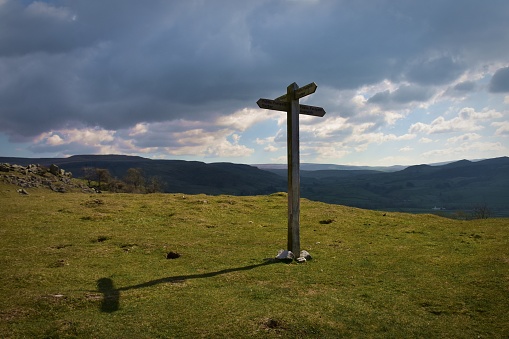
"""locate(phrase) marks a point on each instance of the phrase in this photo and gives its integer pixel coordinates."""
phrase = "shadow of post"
(111, 296)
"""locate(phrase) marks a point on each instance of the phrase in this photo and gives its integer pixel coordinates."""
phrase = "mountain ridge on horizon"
(304, 166)
(458, 185)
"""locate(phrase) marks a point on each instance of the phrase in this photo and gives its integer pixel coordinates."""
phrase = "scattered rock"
(172, 255)
(4, 168)
(58, 189)
(33, 176)
(101, 238)
(273, 324)
(22, 191)
(54, 169)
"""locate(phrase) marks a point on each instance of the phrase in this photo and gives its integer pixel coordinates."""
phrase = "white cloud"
(327, 153)
(54, 140)
(243, 119)
(264, 141)
(392, 117)
(469, 113)
(467, 120)
(467, 150)
(325, 128)
(271, 148)
(269, 143)
(144, 138)
(138, 129)
(464, 138)
(199, 142)
(503, 128)
(424, 140)
(85, 136)
(368, 138)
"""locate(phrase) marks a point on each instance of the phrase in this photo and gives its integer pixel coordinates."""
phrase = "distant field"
(95, 266)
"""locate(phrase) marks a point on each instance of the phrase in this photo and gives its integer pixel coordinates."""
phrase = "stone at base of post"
(304, 256)
(286, 255)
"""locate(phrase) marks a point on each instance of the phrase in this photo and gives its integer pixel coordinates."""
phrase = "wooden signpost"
(289, 102)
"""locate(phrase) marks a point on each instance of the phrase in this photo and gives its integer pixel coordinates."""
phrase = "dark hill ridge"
(459, 185)
(177, 176)
(462, 168)
(456, 186)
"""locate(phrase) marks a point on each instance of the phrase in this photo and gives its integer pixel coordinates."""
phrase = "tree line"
(134, 181)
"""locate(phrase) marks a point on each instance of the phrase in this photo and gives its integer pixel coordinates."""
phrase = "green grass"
(79, 265)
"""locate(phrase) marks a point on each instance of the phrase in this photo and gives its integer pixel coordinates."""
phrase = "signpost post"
(289, 102)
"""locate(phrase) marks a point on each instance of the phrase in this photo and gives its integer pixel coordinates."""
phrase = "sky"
(403, 82)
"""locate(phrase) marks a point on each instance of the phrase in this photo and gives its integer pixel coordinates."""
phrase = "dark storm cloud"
(500, 81)
(461, 89)
(403, 95)
(465, 86)
(435, 72)
(116, 63)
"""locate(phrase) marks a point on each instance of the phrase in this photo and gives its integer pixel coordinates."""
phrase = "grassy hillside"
(81, 265)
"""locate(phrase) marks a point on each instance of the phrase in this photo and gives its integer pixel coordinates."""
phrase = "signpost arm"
(293, 170)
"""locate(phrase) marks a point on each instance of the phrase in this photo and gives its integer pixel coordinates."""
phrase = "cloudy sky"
(402, 81)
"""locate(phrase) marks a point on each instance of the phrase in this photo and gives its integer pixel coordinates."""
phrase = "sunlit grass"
(78, 265)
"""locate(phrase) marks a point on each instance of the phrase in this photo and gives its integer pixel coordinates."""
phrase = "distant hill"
(454, 186)
(460, 185)
(177, 176)
(323, 167)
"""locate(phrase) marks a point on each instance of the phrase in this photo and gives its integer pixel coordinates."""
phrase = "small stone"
(305, 254)
(22, 191)
(285, 255)
(5, 168)
(53, 169)
(172, 255)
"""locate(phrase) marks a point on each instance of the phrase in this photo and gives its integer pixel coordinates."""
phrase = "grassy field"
(95, 266)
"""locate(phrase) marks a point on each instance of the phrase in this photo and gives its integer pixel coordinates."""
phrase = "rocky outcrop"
(34, 176)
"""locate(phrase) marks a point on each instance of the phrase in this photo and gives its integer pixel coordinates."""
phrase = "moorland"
(118, 265)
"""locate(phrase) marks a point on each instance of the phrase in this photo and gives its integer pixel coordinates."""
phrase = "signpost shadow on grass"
(111, 296)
